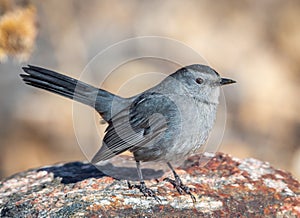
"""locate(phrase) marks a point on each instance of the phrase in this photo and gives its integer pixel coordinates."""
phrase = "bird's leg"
(177, 183)
(142, 186)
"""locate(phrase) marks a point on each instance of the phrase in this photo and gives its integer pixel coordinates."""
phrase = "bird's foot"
(147, 192)
(180, 187)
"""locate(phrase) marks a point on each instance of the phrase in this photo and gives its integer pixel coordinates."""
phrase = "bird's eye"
(199, 80)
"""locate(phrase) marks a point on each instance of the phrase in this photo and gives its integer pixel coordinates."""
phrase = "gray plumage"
(164, 123)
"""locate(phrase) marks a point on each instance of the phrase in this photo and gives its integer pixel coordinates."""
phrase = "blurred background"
(256, 43)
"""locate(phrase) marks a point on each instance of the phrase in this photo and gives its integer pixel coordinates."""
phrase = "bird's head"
(201, 82)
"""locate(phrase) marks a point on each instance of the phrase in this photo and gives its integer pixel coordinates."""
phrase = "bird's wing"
(141, 123)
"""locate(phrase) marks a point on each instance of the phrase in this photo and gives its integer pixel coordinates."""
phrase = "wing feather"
(132, 127)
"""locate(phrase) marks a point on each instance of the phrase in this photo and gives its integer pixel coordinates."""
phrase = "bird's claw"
(180, 187)
(147, 192)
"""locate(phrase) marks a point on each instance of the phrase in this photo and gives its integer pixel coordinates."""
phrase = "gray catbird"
(164, 123)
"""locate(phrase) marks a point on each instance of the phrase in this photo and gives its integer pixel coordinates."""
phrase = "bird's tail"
(71, 88)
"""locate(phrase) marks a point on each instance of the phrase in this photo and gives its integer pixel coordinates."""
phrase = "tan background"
(255, 42)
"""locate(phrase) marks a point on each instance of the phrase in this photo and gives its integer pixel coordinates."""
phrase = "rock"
(224, 186)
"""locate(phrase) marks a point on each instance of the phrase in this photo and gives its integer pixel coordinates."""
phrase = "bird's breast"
(196, 122)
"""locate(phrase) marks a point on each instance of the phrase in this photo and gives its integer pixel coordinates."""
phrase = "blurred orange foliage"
(17, 33)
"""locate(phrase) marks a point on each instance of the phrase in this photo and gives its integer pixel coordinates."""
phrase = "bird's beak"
(225, 81)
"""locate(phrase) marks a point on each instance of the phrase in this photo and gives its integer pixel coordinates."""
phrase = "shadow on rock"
(129, 173)
(74, 172)
(77, 171)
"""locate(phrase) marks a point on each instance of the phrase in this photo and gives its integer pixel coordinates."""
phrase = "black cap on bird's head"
(207, 72)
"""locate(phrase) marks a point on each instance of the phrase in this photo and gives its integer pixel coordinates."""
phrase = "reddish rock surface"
(224, 187)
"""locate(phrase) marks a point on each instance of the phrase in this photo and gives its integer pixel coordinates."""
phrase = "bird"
(167, 122)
